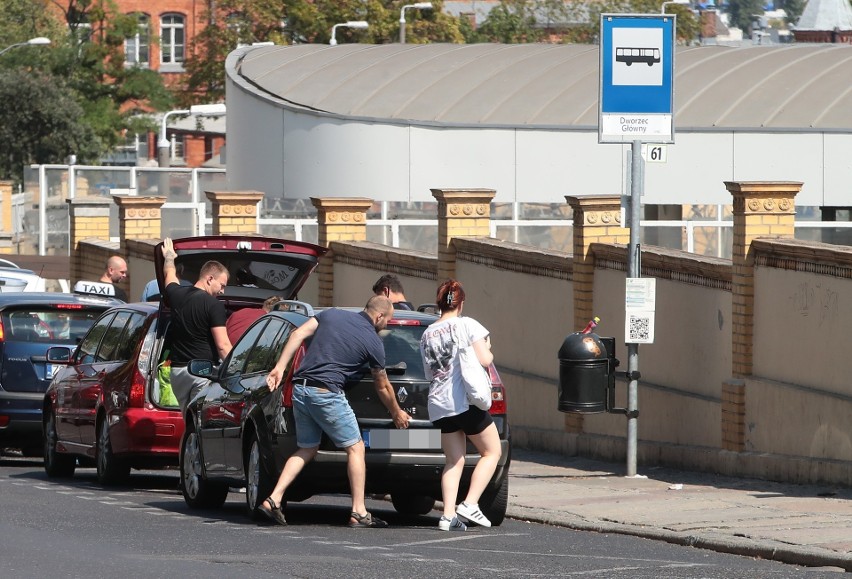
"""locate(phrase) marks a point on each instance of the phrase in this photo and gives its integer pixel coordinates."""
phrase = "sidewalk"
(801, 525)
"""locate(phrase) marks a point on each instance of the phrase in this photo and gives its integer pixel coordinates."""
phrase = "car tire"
(494, 502)
(111, 469)
(56, 464)
(198, 492)
(259, 483)
(411, 504)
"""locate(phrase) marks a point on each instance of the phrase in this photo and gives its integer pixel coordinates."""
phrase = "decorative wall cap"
(470, 195)
(234, 197)
(350, 204)
(89, 202)
(593, 202)
(668, 263)
(125, 201)
(767, 187)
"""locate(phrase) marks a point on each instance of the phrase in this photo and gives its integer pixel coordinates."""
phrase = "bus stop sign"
(637, 78)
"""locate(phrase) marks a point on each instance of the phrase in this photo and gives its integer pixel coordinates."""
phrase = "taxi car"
(30, 324)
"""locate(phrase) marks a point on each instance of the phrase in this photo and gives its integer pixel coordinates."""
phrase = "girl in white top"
(450, 411)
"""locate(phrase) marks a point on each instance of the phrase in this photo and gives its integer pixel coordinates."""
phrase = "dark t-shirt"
(194, 313)
(343, 343)
(119, 293)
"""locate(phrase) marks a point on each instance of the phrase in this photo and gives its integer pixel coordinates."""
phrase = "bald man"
(116, 271)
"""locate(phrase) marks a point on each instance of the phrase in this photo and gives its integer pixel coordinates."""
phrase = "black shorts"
(473, 421)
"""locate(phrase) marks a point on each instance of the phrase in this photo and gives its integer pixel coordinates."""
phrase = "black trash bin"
(586, 373)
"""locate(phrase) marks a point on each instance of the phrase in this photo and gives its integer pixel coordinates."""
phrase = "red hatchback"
(110, 403)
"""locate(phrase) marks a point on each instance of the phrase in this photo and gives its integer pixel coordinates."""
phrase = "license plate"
(49, 370)
(411, 439)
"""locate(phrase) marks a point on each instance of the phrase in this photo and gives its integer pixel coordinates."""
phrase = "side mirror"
(200, 368)
(59, 355)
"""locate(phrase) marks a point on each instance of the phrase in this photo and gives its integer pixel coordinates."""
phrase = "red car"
(108, 402)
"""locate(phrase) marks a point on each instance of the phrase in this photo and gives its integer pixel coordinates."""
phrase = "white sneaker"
(455, 524)
(472, 514)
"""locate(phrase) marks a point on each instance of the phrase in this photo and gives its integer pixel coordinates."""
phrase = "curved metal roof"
(796, 88)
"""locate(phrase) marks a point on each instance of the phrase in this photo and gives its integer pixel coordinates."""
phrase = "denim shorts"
(317, 411)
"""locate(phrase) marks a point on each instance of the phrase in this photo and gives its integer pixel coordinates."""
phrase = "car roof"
(397, 314)
(25, 298)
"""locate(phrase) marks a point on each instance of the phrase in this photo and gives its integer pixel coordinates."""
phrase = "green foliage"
(794, 9)
(40, 122)
(742, 14)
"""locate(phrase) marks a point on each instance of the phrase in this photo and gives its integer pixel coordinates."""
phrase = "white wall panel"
(782, 157)
(255, 143)
(456, 157)
(325, 157)
(838, 170)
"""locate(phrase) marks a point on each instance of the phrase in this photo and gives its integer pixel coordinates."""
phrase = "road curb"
(761, 549)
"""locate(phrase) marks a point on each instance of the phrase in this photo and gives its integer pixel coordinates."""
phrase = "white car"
(14, 279)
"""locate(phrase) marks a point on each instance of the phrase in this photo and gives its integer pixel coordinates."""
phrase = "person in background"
(239, 321)
(450, 411)
(151, 292)
(342, 342)
(389, 286)
(197, 328)
(114, 272)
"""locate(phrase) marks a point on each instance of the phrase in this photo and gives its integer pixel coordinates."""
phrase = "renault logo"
(401, 394)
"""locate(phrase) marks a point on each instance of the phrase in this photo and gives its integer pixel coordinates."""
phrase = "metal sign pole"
(637, 184)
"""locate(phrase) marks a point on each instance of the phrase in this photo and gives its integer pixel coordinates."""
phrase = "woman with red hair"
(450, 410)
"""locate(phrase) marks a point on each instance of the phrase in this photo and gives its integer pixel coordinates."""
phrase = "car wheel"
(410, 504)
(494, 502)
(56, 464)
(258, 482)
(198, 492)
(111, 469)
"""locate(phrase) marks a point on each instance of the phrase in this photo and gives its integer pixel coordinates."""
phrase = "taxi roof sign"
(96, 288)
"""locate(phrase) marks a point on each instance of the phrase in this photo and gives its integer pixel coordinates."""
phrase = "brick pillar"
(88, 218)
(234, 212)
(138, 218)
(338, 219)
(6, 206)
(761, 209)
(597, 219)
(461, 213)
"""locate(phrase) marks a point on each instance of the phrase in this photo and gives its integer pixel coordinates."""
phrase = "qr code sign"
(640, 328)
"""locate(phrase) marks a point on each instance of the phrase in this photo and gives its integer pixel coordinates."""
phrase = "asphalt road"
(76, 528)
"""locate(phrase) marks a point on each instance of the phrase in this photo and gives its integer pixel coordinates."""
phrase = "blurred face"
(118, 272)
(382, 320)
(216, 284)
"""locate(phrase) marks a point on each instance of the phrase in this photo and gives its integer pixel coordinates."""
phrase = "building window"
(172, 39)
(136, 48)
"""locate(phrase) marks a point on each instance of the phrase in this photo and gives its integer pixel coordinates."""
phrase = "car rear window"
(48, 324)
(402, 344)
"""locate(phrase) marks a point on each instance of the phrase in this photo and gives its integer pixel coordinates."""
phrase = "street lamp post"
(164, 145)
(38, 41)
(417, 6)
(351, 24)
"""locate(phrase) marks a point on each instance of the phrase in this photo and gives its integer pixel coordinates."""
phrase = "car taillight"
(137, 389)
(498, 393)
(2, 333)
(287, 390)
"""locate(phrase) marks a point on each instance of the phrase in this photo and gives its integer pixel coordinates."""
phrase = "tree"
(231, 23)
(40, 122)
(742, 14)
(511, 22)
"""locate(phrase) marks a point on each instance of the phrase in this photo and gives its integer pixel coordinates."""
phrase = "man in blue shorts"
(342, 343)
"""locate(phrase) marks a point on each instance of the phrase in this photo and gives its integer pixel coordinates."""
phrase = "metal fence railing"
(40, 214)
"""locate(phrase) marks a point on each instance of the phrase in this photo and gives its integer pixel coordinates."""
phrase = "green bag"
(164, 376)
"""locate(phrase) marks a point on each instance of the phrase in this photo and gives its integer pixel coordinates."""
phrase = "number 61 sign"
(654, 153)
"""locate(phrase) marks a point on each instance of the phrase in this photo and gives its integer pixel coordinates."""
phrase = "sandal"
(272, 511)
(366, 521)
